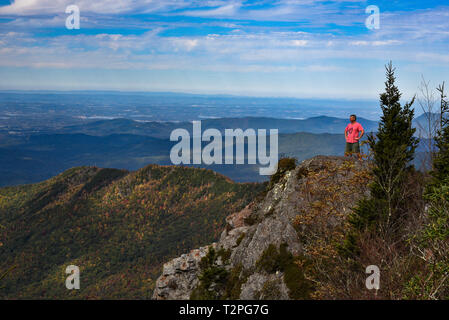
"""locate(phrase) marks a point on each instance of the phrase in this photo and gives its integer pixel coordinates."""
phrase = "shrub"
(234, 283)
(212, 278)
(269, 260)
(433, 282)
(284, 165)
(273, 260)
(252, 219)
(302, 173)
(270, 291)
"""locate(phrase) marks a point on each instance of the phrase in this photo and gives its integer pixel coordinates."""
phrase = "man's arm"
(361, 135)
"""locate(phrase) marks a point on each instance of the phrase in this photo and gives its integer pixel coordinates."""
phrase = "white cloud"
(408, 37)
(229, 10)
(375, 43)
(299, 43)
(268, 52)
(187, 44)
(45, 7)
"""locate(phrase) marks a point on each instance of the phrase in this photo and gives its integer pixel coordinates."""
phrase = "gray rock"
(249, 233)
(180, 276)
(256, 287)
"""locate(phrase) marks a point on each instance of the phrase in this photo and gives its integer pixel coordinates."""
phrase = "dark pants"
(352, 147)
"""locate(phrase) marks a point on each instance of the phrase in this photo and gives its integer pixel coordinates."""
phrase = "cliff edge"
(265, 249)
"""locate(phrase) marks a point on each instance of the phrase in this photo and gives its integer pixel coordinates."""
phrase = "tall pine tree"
(393, 150)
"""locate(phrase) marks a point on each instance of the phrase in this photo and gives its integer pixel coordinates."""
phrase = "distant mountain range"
(127, 144)
(321, 124)
(49, 110)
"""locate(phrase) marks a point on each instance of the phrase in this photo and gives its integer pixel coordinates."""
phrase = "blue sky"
(295, 48)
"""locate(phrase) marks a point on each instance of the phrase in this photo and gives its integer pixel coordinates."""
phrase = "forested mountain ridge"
(117, 226)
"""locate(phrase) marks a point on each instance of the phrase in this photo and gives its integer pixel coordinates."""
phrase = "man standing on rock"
(352, 136)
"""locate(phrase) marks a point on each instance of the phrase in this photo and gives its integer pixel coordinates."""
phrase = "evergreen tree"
(441, 159)
(394, 147)
(393, 150)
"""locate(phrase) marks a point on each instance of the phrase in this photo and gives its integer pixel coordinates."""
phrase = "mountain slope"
(265, 250)
(118, 227)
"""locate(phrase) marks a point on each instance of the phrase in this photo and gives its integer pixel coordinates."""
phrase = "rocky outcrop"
(281, 217)
(180, 276)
